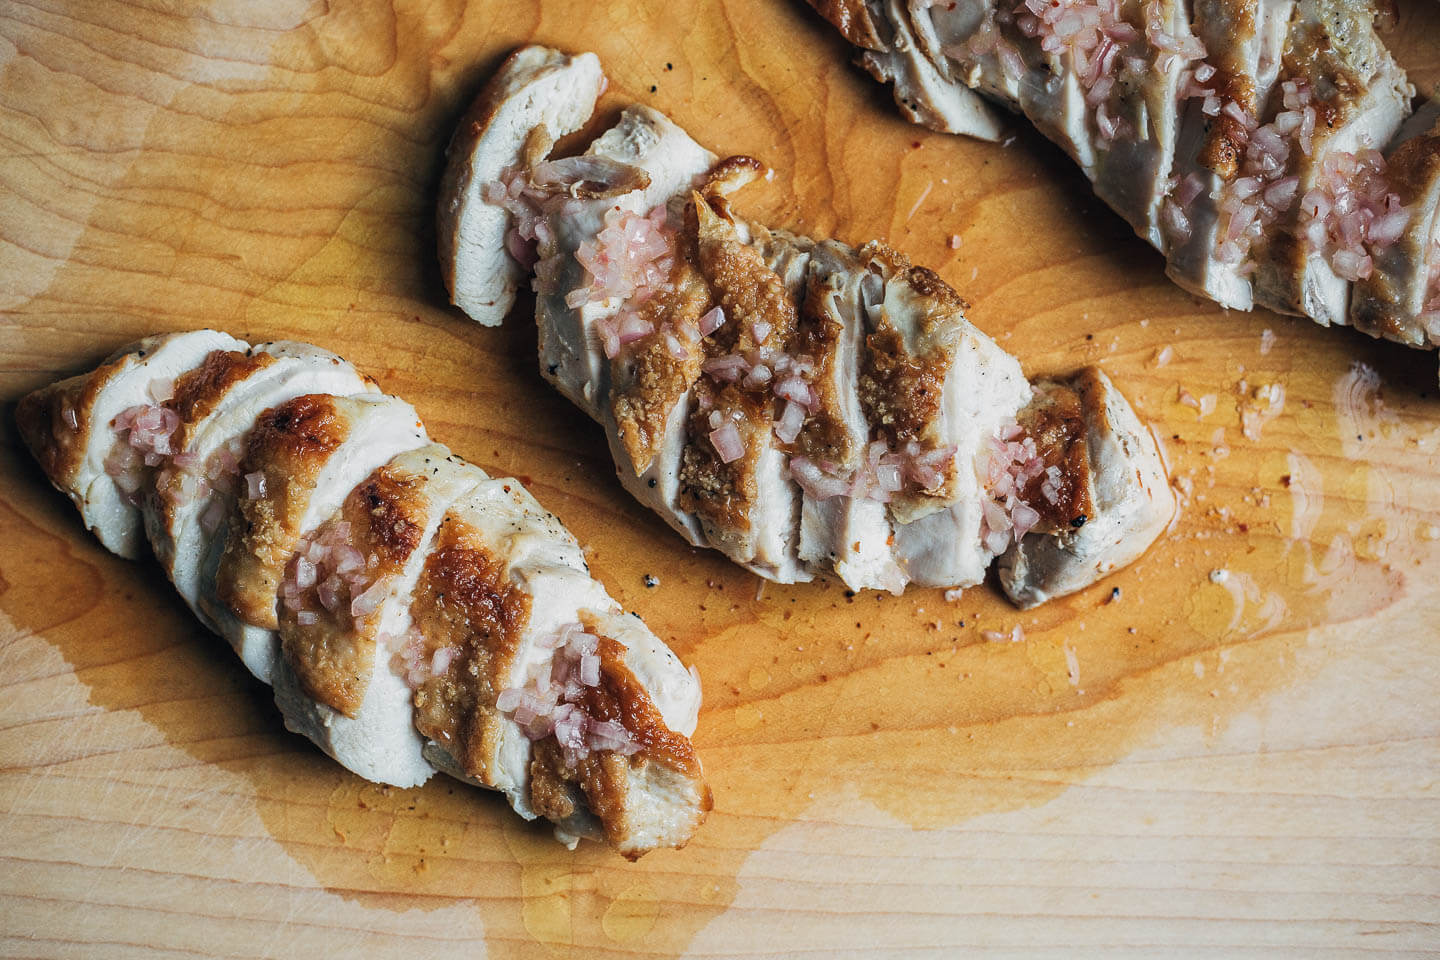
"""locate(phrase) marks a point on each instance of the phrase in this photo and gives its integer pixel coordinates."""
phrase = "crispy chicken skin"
(805, 408)
(412, 612)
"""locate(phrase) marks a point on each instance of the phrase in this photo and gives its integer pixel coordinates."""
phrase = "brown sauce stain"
(793, 682)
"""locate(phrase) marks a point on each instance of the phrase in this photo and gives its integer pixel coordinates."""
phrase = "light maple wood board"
(1236, 765)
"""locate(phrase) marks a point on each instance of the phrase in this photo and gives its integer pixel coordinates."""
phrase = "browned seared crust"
(45, 427)
(289, 447)
(723, 494)
(824, 437)
(1226, 138)
(852, 18)
(651, 380)
(622, 698)
(551, 794)
(747, 289)
(465, 600)
(1056, 421)
(334, 657)
(44, 417)
(200, 391)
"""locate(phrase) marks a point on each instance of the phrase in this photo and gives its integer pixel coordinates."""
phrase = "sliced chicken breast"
(804, 408)
(72, 427)
(843, 526)
(343, 617)
(1115, 495)
(427, 609)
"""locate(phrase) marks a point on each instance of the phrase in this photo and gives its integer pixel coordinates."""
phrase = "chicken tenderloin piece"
(805, 408)
(412, 612)
(78, 430)
(1103, 490)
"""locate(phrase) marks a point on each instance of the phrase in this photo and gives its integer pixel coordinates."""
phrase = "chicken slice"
(925, 90)
(1360, 97)
(303, 458)
(938, 382)
(646, 431)
(735, 473)
(70, 426)
(1133, 167)
(1244, 42)
(335, 684)
(193, 494)
(536, 89)
(842, 526)
(655, 796)
(572, 351)
(1114, 501)
(1400, 300)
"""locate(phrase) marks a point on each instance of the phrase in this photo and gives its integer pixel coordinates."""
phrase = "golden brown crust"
(747, 289)
(899, 392)
(1056, 420)
(824, 437)
(649, 380)
(288, 446)
(551, 794)
(334, 657)
(199, 392)
(749, 292)
(723, 494)
(852, 18)
(620, 697)
(55, 423)
(465, 600)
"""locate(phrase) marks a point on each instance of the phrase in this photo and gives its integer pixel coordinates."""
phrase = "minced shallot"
(1092, 34)
(328, 572)
(1263, 189)
(883, 473)
(1351, 211)
(1011, 463)
(551, 701)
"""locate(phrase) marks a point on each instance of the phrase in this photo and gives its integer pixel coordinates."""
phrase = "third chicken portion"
(804, 407)
(1260, 145)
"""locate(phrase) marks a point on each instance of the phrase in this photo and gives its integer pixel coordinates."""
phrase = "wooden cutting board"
(1230, 749)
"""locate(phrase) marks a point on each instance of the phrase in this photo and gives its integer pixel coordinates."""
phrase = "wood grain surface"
(1228, 750)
